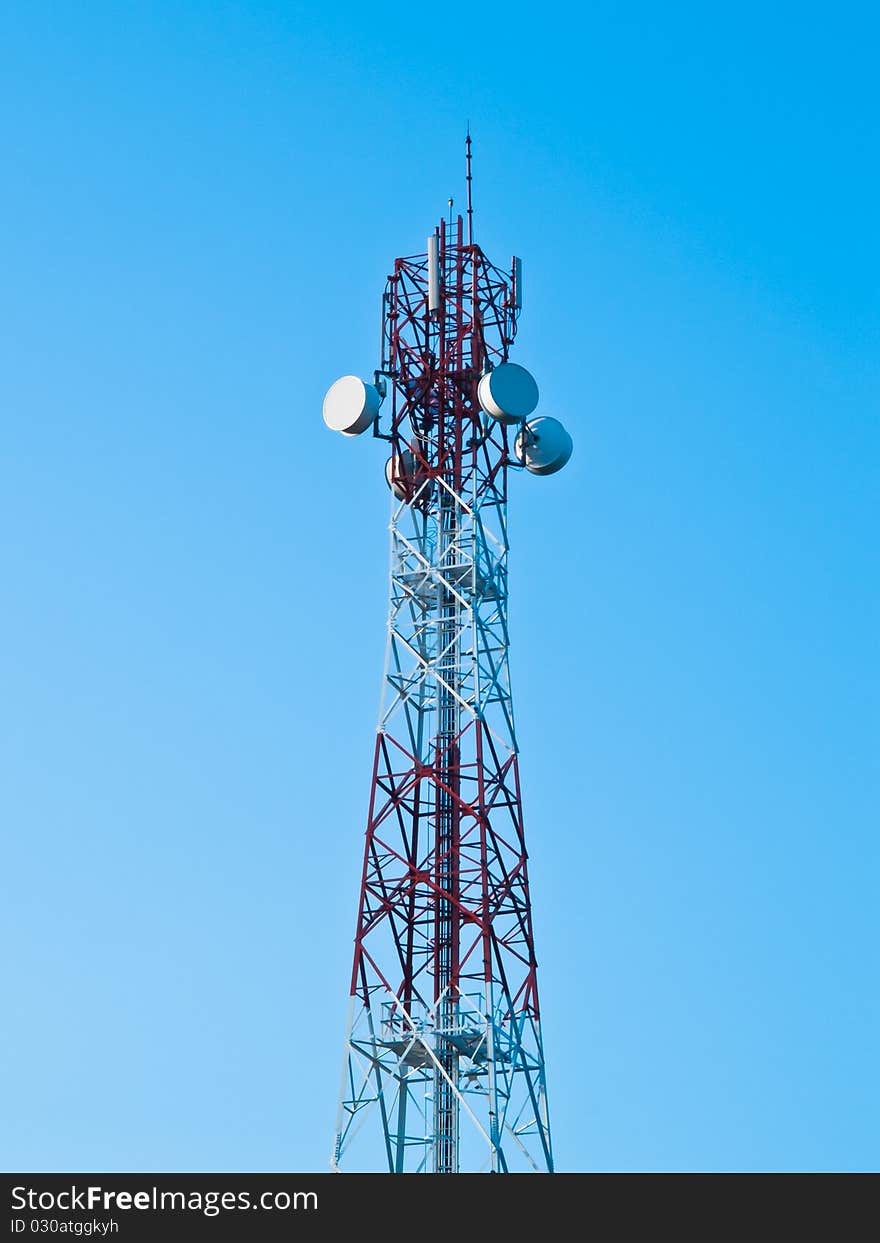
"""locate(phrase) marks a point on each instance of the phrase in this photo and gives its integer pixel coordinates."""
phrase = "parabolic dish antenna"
(543, 446)
(508, 392)
(351, 405)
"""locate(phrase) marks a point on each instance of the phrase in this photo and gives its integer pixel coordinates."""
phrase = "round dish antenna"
(543, 446)
(407, 478)
(351, 406)
(508, 393)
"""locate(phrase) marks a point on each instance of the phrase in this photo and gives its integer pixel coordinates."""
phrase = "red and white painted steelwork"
(444, 1063)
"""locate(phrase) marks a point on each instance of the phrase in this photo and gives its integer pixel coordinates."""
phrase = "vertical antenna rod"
(470, 201)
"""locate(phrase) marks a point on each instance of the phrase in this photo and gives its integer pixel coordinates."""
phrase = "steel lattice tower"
(444, 1064)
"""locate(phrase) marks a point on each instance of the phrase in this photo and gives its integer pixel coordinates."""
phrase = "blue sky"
(199, 205)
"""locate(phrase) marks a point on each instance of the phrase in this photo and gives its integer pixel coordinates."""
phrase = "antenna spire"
(470, 202)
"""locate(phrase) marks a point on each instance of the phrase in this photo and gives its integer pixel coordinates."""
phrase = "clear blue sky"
(199, 205)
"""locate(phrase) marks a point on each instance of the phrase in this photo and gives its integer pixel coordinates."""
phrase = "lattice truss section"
(444, 1065)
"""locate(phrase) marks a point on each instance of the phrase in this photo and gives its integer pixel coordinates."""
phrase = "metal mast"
(444, 1065)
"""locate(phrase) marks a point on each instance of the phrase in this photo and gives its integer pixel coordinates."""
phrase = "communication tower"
(444, 1063)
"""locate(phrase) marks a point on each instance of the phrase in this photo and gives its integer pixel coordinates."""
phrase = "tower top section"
(449, 321)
